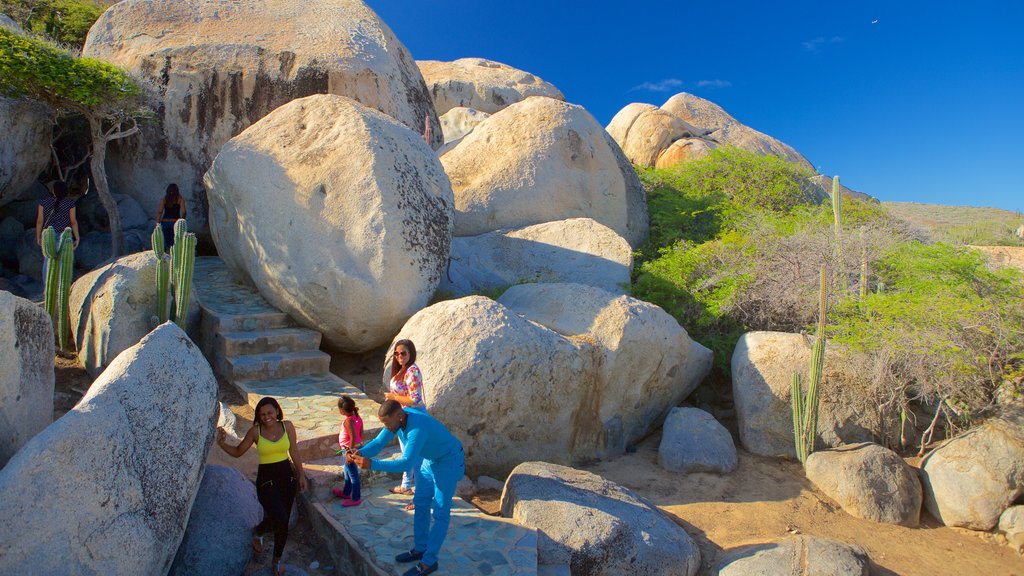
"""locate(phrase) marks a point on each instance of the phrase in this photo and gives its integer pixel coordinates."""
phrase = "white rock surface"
(869, 482)
(108, 487)
(595, 526)
(1011, 523)
(219, 66)
(26, 372)
(339, 215)
(538, 161)
(796, 555)
(458, 122)
(972, 479)
(693, 441)
(577, 250)
(762, 373)
(113, 307)
(485, 85)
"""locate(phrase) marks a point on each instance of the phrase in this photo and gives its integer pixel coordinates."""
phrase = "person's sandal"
(400, 490)
(257, 545)
(410, 506)
(421, 569)
(410, 556)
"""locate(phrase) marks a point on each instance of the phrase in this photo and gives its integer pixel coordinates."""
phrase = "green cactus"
(67, 263)
(183, 257)
(805, 408)
(837, 212)
(50, 254)
(163, 273)
(863, 264)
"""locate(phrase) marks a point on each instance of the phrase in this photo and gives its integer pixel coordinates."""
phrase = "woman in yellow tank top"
(276, 477)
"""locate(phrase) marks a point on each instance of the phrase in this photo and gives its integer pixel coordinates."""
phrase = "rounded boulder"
(26, 372)
(485, 85)
(693, 441)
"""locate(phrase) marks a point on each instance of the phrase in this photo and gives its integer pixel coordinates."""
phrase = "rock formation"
(693, 441)
(485, 85)
(26, 373)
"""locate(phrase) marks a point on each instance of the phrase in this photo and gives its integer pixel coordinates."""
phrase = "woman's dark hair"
(263, 402)
(172, 192)
(60, 190)
(347, 404)
(395, 366)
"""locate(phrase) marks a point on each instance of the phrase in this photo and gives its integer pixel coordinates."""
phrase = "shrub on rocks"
(340, 216)
(869, 482)
(108, 487)
(693, 441)
(217, 538)
(796, 555)
(593, 526)
(26, 372)
(971, 480)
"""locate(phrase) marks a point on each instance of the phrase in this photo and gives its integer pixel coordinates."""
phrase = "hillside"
(961, 224)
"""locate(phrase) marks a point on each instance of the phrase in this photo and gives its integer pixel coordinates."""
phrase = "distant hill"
(961, 224)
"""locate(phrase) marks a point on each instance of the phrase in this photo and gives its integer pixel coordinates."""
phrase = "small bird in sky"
(874, 21)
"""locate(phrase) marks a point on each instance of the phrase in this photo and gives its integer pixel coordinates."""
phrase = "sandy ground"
(763, 500)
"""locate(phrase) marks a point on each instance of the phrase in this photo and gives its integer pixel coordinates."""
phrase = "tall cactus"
(863, 264)
(163, 273)
(805, 408)
(49, 246)
(66, 254)
(837, 212)
(183, 258)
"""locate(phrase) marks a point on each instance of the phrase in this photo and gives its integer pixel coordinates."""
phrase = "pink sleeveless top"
(357, 427)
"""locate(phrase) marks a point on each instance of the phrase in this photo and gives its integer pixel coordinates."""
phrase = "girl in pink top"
(350, 436)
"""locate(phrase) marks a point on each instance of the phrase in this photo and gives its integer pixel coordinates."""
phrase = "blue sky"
(919, 101)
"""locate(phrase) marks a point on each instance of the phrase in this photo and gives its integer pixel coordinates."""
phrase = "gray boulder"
(693, 441)
(1011, 523)
(217, 538)
(762, 373)
(108, 487)
(30, 255)
(578, 250)
(26, 373)
(25, 147)
(796, 556)
(133, 216)
(970, 480)
(113, 307)
(869, 482)
(10, 233)
(593, 526)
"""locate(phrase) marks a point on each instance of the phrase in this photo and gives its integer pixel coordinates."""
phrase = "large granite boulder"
(693, 441)
(651, 133)
(869, 482)
(970, 480)
(684, 150)
(616, 366)
(485, 85)
(108, 487)
(726, 130)
(339, 215)
(577, 250)
(796, 555)
(538, 161)
(1011, 524)
(218, 67)
(114, 306)
(762, 374)
(217, 538)
(589, 526)
(26, 372)
(458, 122)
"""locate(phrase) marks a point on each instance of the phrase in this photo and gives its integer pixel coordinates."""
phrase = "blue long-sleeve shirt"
(423, 435)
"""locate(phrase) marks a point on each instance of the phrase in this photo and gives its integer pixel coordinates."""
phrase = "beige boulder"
(575, 250)
(485, 85)
(623, 120)
(338, 214)
(684, 150)
(217, 67)
(726, 130)
(538, 161)
(651, 133)
(762, 373)
(458, 122)
(114, 306)
(26, 372)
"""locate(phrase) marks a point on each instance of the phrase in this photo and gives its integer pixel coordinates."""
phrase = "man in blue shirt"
(443, 466)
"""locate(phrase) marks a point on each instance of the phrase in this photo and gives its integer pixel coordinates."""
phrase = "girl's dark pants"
(275, 488)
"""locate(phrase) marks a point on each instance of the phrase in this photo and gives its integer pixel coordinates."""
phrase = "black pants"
(275, 488)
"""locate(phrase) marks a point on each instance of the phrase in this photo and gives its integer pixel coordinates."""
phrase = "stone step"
(278, 340)
(273, 366)
(311, 403)
(365, 539)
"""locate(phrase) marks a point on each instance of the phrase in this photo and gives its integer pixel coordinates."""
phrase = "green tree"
(103, 94)
(64, 21)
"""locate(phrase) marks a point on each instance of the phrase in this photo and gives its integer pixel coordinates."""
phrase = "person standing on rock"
(423, 437)
(406, 388)
(172, 208)
(276, 477)
(58, 211)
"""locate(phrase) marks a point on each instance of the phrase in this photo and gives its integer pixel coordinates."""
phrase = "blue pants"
(435, 487)
(352, 482)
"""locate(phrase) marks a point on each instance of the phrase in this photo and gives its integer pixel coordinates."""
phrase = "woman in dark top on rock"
(58, 211)
(172, 207)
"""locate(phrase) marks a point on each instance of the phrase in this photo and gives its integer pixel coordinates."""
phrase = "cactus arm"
(67, 263)
(49, 247)
(837, 212)
(183, 292)
(162, 273)
(798, 425)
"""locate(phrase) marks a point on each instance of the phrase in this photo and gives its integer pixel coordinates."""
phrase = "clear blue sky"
(906, 100)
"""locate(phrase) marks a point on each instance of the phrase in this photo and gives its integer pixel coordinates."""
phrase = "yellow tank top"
(271, 452)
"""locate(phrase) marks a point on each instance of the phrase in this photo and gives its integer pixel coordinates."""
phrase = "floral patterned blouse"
(411, 385)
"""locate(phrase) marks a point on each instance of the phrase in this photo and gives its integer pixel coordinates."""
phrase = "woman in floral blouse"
(406, 388)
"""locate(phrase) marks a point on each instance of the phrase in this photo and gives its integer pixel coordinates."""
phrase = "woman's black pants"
(275, 488)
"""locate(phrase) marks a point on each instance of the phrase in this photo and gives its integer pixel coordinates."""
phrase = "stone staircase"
(261, 352)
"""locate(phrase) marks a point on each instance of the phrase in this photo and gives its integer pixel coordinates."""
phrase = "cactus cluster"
(175, 272)
(60, 262)
(805, 408)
